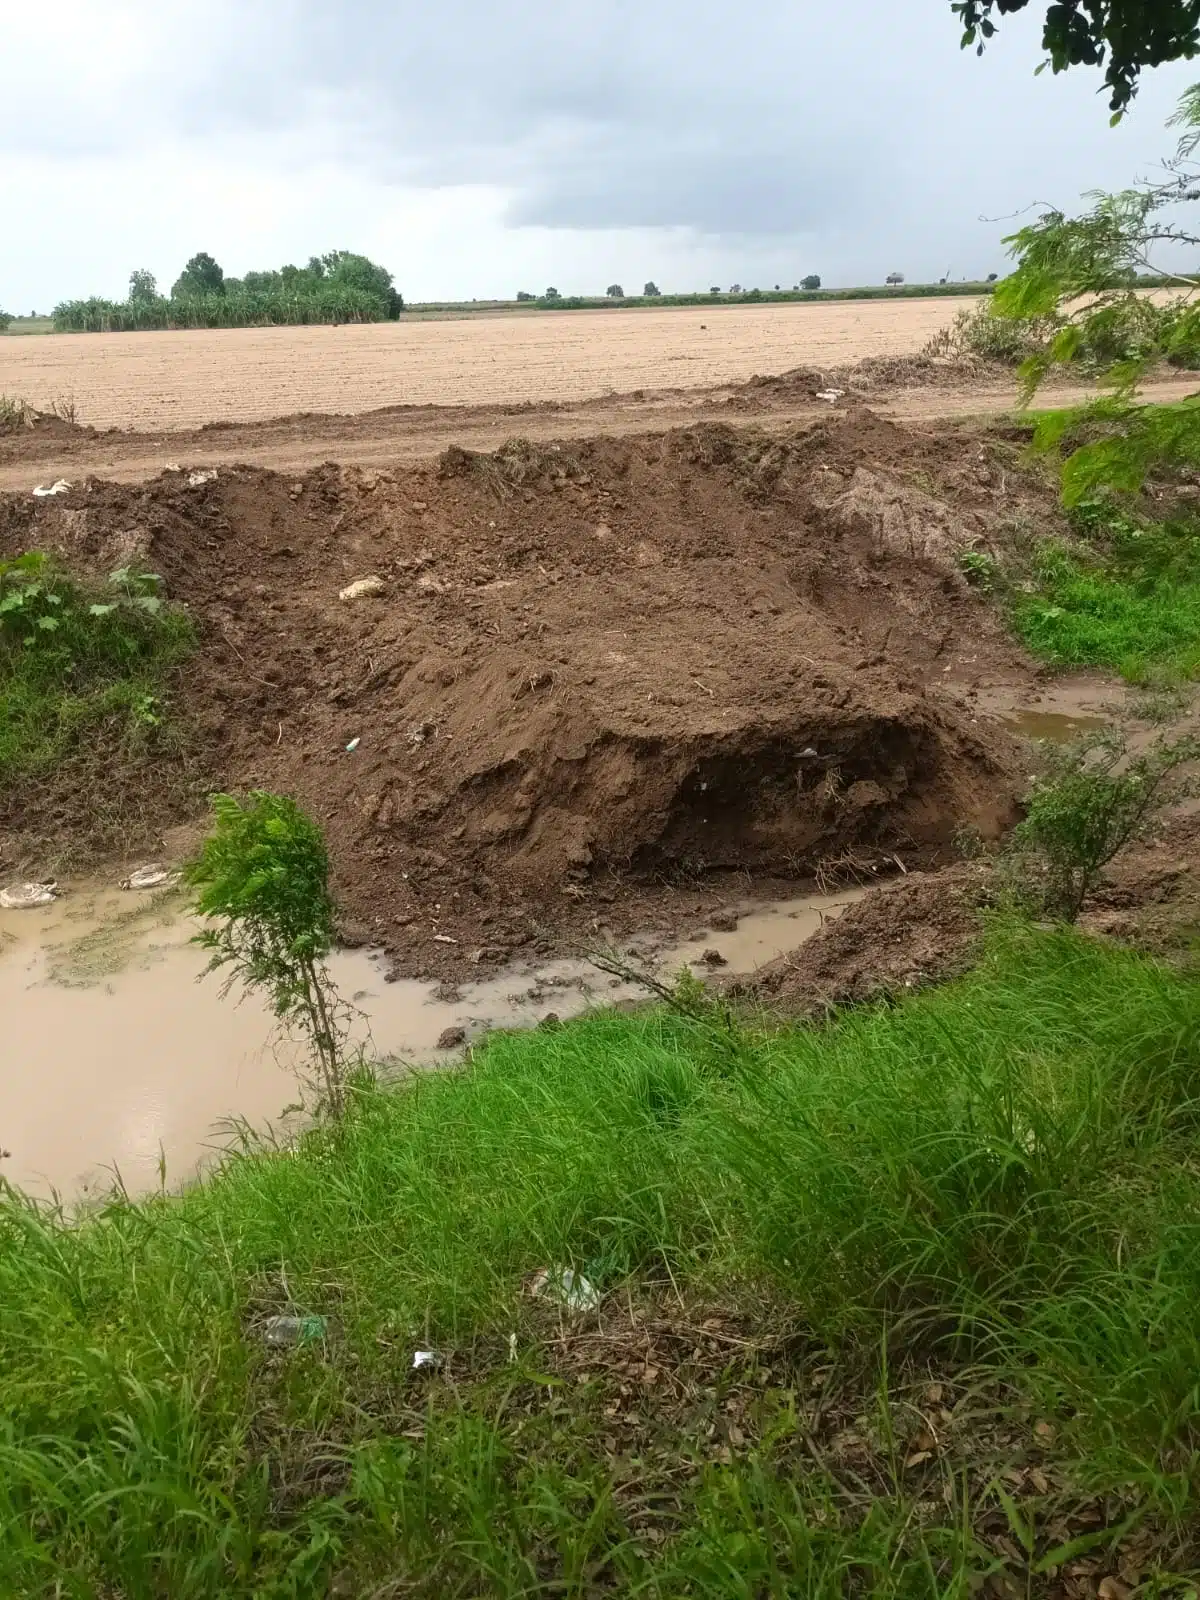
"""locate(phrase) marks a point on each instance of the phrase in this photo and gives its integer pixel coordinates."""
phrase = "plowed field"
(157, 381)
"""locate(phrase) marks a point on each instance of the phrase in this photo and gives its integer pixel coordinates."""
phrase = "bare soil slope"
(597, 677)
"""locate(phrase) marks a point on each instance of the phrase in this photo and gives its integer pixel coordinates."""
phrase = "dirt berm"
(593, 673)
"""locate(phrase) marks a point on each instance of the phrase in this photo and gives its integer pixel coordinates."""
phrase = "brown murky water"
(117, 1060)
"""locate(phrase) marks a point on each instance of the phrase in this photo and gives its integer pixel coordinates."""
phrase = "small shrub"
(1088, 804)
(15, 413)
(5, 320)
(262, 878)
(977, 334)
(981, 570)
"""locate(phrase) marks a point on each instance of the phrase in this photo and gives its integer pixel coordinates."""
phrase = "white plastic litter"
(363, 588)
(59, 486)
(566, 1286)
(425, 1358)
(207, 475)
(24, 896)
(830, 395)
(294, 1330)
(354, 744)
(152, 876)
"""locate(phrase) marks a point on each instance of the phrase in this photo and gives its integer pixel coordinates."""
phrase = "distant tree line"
(337, 287)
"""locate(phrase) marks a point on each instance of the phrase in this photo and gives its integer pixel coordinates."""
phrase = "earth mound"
(586, 677)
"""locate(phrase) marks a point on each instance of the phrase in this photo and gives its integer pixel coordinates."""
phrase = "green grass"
(26, 325)
(984, 1200)
(1127, 597)
(81, 665)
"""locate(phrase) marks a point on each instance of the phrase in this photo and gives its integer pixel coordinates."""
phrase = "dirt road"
(412, 433)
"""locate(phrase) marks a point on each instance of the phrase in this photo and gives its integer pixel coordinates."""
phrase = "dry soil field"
(158, 381)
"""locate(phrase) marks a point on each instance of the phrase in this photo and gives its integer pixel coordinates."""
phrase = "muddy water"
(118, 1061)
(1058, 727)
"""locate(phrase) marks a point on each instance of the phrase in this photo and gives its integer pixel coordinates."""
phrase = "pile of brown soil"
(594, 673)
(918, 929)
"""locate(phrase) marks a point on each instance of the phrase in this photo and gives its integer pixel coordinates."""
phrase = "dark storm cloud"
(861, 123)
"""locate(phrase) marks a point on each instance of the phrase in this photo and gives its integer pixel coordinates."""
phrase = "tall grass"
(1001, 1175)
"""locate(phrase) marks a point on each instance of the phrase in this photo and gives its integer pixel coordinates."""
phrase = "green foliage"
(202, 278)
(1126, 596)
(1002, 1173)
(262, 881)
(1091, 800)
(978, 333)
(1088, 274)
(551, 294)
(1129, 34)
(1078, 279)
(981, 570)
(1113, 445)
(337, 287)
(813, 281)
(78, 659)
(142, 286)
(651, 291)
(524, 297)
(5, 320)
(615, 292)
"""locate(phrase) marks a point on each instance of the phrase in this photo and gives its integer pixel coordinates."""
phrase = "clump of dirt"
(587, 679)
(20, 422)
(919, 929)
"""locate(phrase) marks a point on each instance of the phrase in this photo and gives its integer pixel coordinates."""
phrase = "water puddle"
(1059, 727)
(119, 1061)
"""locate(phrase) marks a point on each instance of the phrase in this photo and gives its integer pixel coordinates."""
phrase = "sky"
(478, 147)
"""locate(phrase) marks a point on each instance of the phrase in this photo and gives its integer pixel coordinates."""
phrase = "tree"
(1078, 278)
(615, 292)
(143, 285)
(5, 319)
(895, 279)
(524, 296)
(813, 281)
(262, 877)
(716, 289)
(202, 276)
(348, 270)
(552, 294)
(1128, 35)
(991, 277)
(651, 290)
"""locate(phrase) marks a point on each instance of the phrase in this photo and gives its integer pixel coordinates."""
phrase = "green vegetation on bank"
(338, 287)
(854, 1278)
(84, 668)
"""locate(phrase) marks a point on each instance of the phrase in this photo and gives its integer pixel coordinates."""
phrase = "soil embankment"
(598, 680)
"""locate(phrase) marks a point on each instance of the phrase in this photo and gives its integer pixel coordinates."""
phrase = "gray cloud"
(861, 130)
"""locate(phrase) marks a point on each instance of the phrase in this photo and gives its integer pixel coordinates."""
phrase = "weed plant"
(80, 662)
